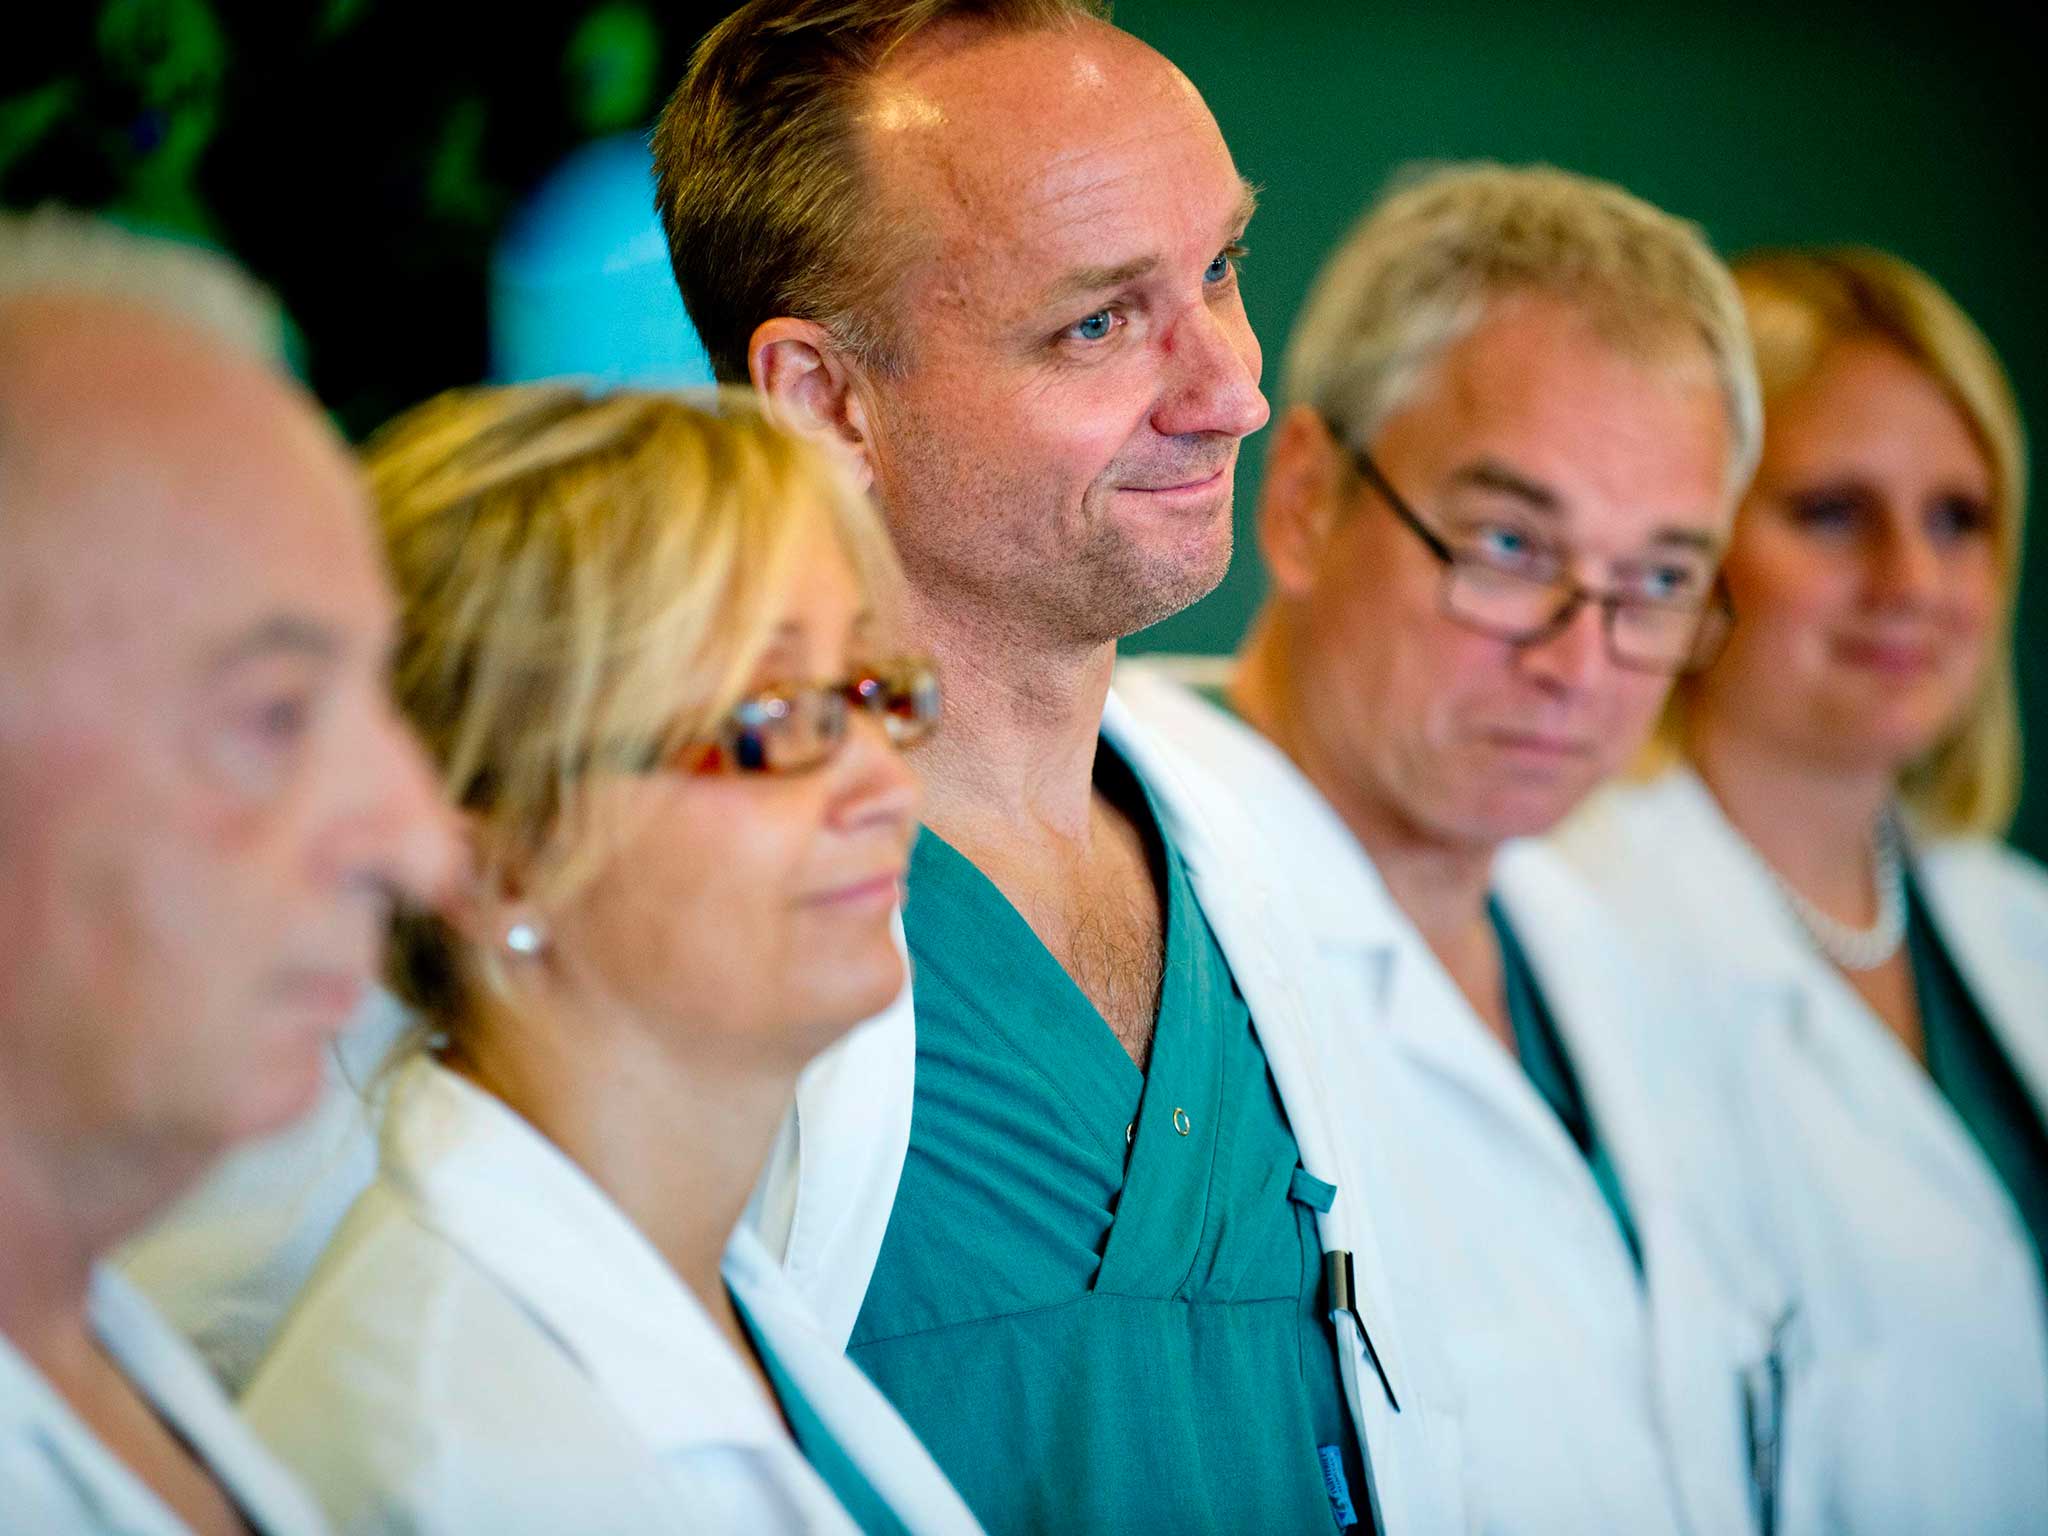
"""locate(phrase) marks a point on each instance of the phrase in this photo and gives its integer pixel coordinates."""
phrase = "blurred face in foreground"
(207, 804)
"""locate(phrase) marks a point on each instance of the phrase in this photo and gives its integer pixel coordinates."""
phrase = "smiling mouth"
(1887, 656)
(1196, 486)
(883, 888)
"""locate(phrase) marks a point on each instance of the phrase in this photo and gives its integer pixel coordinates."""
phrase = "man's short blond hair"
(1424, 266)
(762, 191)
(586, 584)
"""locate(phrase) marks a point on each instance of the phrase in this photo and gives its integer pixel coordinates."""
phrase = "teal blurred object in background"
(580, 282)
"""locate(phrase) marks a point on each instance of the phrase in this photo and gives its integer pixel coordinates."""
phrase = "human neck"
(1440, 886)
(677, 1145)
(1016, 754)
(1813, 824)
(59, 1214)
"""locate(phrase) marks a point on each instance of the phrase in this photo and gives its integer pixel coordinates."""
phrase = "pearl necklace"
(1859, 949)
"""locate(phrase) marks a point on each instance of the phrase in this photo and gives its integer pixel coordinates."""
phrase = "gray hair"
(58, 250)
(1421, 268)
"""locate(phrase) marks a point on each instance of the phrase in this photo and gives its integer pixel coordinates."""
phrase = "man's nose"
(1571, 656)
(404, 835)
(1212, 386)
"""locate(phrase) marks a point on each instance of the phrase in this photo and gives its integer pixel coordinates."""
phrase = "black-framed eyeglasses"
(1526, 599)
(793, 728)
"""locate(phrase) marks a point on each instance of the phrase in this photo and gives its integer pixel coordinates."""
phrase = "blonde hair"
(761, 187)
(1422, 267)
(585, 582)
(1800, 304)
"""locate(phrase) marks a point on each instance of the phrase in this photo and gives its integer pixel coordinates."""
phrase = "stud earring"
(525, 936)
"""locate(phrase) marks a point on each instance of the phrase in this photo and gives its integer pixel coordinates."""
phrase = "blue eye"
(1096, 327)
(1503, 546)
(1224, 264)
(1668, 584)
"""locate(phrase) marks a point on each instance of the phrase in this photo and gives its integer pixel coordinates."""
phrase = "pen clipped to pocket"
(1764, 1385)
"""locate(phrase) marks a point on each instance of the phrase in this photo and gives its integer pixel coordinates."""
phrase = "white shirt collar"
(1317, 858)
(527, 1215)
(172, 1379)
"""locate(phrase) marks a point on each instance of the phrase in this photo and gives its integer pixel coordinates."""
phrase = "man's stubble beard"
(1106, 588)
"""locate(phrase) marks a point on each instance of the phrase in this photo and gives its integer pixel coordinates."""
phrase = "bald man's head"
(205, 799)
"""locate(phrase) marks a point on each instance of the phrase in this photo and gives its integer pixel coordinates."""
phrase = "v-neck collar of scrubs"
(1035, 1255)
(1046, 1013)
(1153, 1121)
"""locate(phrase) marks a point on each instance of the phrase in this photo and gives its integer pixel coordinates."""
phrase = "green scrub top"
(1549, 1069)
(821, 1448)
(1975, 1075)
(1098, 1300)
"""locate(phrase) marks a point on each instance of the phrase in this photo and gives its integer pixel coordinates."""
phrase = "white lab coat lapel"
(1917, 1406)
(1230, 879)
(57, 1475)
(1742, 920)
(822, 1206)
(1709, 1314)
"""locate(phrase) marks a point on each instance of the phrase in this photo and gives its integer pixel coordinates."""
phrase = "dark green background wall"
(1766, 124)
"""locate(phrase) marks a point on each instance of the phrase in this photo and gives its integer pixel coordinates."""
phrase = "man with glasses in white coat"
(1520, 405)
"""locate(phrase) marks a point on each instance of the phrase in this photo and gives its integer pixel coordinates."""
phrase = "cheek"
(695, 918)
(1633, 705)
(1784, 598)
(1973, 595)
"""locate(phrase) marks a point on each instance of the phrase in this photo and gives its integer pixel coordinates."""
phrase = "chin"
(853, 993)
(284, 1086)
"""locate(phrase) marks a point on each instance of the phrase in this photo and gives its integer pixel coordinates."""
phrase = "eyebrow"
(1492, 475)
(280, 634)
(1085, 280)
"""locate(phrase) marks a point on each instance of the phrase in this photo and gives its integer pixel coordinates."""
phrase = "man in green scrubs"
(990, 251)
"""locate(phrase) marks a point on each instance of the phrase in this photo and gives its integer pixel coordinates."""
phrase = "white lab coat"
(55, 1476)
(824, 1200)
(1590, 1402)
(491, 1346)
(1925, 1405)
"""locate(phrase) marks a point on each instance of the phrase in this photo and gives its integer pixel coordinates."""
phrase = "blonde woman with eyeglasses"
(647, 645)
(1824, 829)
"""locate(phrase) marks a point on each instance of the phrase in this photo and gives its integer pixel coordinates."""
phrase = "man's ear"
(808, 384)
(1299, 499)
